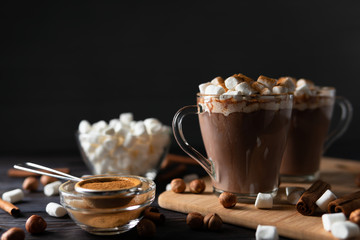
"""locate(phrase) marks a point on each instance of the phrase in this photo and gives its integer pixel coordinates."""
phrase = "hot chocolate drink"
(246, 147)
(307, 135)
(244, 126)
(310, 123)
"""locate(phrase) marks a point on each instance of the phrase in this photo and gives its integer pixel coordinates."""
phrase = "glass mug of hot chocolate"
(244, 126)
(308, 135)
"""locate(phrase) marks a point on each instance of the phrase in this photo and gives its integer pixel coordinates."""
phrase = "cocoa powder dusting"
(111, 185)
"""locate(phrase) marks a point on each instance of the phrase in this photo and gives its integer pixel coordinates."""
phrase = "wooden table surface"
(64, 228)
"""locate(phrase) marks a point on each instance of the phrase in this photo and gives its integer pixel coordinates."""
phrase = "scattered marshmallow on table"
(330, 218)
(266, 232)
(324, 200)
(55, 210)
(345, 230)
(13, 196)
(52, 189)
(264, 200)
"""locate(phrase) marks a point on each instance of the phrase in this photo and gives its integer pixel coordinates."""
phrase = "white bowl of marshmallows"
(124, 146)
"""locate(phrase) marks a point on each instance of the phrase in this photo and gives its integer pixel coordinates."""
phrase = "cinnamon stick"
(174, 158)
(171, 173)
(9, 208)
(345, 204)
(154, 215)
(12, 172)
(307, 203)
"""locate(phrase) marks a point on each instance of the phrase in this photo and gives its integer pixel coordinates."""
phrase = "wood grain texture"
(339, 173)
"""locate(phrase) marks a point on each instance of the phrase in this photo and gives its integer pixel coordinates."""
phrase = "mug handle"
(185, 146)
(342, 126)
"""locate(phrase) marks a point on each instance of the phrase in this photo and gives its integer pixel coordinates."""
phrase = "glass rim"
(151, 183)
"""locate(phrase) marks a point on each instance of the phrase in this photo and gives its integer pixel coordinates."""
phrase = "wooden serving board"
(340, 173)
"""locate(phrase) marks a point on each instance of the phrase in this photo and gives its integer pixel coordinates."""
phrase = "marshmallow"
(126, 118)
(84, 126)
(55, 210)
(302, 90)
(329, 218)
(345, 230)
(110, 143)
(125, 146)
(109, 131)
(279, 90)
(306, 82)
(293, 194)
(323, 201)
(121, 129)
(244, 78)
(266, 232)
(244, 88)
(113, 122)
(139, 129)
(264, 200)
(52, 189)
(258, 86)
(129, 140)
(218, 81)
(203, 86)
(265, 91)
(231, 82)
(214, 90)
(101, 152)
(230, 94)
(288, 82)
(152, 125)
(266, 81)
(13, 196)
(99, 126)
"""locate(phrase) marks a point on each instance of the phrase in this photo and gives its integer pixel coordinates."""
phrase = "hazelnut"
(227, 199)
(146, 228)
(47, 179)
(13, 234)
(355, 216)
(213, 222)
(35, 224)
(197, 186)
(178, 185)
(31, 184)
(195, 220)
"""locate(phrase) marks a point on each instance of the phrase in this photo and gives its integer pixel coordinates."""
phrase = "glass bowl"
(118, 154)
(94, 214)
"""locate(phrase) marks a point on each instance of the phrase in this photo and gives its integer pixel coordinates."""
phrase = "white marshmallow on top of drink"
(124, 145)
(236, 89)
(239, 84)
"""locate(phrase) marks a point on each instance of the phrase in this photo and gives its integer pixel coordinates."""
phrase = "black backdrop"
(64, 62)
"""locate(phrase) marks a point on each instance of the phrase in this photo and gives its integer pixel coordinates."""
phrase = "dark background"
(64, 62)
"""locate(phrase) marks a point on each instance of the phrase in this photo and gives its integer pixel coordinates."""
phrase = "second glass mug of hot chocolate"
(308, 135)
(244, 137)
